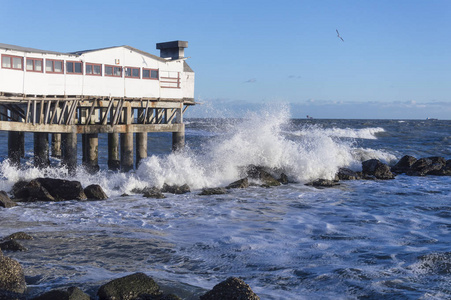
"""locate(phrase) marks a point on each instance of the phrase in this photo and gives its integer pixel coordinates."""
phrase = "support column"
(178, 140)
(56, 145)
(41, 150)
(92, 160)
(126, 151)
(14, 148)
(70, 151)
(113, 151)
(141, 147)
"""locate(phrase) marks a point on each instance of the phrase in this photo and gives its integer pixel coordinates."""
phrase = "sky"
(394, 61)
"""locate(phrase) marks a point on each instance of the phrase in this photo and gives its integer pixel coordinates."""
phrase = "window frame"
(11, 62)
(92, 65)
(150, 74)
(113, 66)
(53, 66)
(131, 72)
(73, 62)
(34, 60)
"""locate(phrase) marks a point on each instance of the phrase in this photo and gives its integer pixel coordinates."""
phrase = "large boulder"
(427, 166)
(49, 189)
(213, 191)
(72, 293)
(153, 192)
(12, 245)
(239, 184)
(12, 278)
(259, 173)
(377, 169)
(347, 174)
(231, 289)
(18, 236)
(5, 201)
(323, 183)
(404, 165)
(95, 192)
(176, 189)
(129, 287)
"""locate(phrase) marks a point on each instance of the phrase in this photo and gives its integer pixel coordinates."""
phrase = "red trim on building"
(53, 61)
(11, 62)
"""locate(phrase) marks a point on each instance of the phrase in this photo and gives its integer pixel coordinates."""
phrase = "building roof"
(27, 49)
(124, 46)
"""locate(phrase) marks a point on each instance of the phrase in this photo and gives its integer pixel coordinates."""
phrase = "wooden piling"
(90, 152)
(126, 151)
(141, 147)
(56, 145)
(14, 148)
(41, 150)
(113, 152)
(69, 142)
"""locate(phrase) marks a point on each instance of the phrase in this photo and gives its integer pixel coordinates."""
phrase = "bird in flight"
(338, 35)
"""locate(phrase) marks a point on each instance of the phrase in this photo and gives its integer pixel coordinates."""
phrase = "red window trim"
(73, 67)
(34, 64)
(11, 58)
(113, 66)
(150, 74)
(53, 66)
(92, 64)
(139, 74)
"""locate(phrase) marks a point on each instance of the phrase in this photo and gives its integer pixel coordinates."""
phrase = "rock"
(95, 192)
(161, 297)
(19, 236)
(283, 179)
(347, 174)
(404, 164)
(213, 191)
(239, 184)
(49, 189)
(153, 193)
(72, 293)
(12, 245)
(5, 201)
(259, 173)
(428, 166)
(12, 278)
(175, 189)
(376, 168)
(129, 287)
(230, 289)
(323, 183)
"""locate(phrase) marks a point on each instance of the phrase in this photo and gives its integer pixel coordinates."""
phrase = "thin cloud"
(252, 80)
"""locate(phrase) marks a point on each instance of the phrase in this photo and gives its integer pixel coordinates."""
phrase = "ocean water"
(359, 240)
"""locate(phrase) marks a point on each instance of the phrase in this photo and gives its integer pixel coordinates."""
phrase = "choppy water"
(363, 239)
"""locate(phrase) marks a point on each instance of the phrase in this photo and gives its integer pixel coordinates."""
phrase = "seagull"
(338, 35)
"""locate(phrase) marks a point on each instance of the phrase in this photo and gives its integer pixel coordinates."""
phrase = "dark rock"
(404, 164)
(129, 287)
(347, 174)
(95, 191)
(213, 191)
(72, 293)
(427, 166)
(376, 168)
(5, 295)
(158, 297)
(259, 173)
(175, 189)
(153, 192)
(49, 189)
(284, 179)
(239, 184)
(323, 183)
(231, 289)
(12, 245)
(5, 201)
(19, 236)
(12, 277)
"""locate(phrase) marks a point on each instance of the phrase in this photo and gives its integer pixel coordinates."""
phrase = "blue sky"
(395, 61)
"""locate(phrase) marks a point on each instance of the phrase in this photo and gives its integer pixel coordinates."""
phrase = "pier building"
(120, 91)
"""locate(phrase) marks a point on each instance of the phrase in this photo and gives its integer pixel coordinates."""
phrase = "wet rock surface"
(5, 201)
(231, 289)
(129, 287)
(95, 192)
(72, 293)
(12, 278)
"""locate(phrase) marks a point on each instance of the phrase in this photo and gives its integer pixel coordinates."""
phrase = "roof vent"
(172, 50)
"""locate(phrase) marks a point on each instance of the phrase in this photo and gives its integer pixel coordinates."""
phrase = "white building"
(121, 71)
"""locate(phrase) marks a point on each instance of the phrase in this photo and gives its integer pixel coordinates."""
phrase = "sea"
(363, 239)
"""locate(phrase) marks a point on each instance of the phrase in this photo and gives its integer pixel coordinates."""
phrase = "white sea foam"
(362, 133)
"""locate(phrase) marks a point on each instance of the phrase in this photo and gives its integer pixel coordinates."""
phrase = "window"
(150, 74)
(12, 62)
(74, 67)
(53, 66)
(113, 71)
(93, 69)
(34, 65)
(132, 72)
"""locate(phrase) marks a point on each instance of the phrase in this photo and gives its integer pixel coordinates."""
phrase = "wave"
(363, 133)
(260, 139)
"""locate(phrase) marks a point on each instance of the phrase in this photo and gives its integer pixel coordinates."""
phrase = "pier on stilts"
(62, 120)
